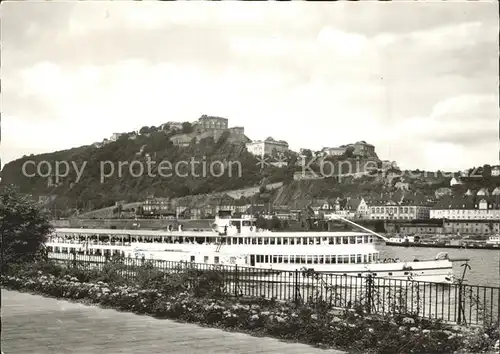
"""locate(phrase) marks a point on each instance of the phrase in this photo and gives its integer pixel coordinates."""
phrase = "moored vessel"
(237, 241)
(493, 240)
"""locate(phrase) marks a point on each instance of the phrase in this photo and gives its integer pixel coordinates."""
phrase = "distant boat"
(407, 239)
(493, 240)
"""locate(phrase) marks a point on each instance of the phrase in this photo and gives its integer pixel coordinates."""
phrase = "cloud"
(458, 132)
(406, 76)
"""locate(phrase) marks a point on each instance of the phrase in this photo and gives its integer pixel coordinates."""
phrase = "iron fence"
(454, 303)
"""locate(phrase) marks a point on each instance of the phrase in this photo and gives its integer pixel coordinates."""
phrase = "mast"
(334, 216)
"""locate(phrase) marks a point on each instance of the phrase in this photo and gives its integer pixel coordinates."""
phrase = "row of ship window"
(228, 240)
(265, 259)
(335, 240)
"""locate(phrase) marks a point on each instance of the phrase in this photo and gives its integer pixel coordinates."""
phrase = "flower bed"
(311, 325)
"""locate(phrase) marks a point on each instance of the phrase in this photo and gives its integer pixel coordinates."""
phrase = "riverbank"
(440, 245)
(484, 264)
(200, 297)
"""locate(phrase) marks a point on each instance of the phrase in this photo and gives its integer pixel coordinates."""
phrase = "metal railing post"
(296, 287)
(236, 281)
(369, 283)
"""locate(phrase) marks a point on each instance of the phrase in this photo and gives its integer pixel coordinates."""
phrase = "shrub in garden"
(188, 299)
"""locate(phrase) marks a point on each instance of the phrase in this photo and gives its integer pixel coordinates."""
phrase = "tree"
(187, 128)
(144, 130)
(261, 223)
(285, 224)
(349, 152)
(23, 227)
(486, 171)
(275, 223)
(118, 209)
(379, 226)
(307, 153)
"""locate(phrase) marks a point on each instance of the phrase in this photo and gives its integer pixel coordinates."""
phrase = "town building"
(359, 149)
(322, 207)
(454, 181)
(358, 208)
(467, 208)
(283, 213)
(400, 206)
(483, 192)
(363, 149)
(157, 207)
(210, 122)
(333, 151)
(471, 227)
(430, 227)
(269, 147)
(210, 127)
(256, 210)
(349, 208)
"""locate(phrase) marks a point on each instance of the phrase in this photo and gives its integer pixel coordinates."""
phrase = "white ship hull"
(432, 271)
(237, 242)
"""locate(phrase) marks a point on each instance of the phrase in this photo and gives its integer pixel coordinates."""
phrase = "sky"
(419, 80)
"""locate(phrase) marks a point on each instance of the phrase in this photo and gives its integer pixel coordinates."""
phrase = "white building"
(454, 181)
(352, 208)
(333, 151)
(483, 192)
(466, 208)
(399, 206)
(404, 212)
(267, 147)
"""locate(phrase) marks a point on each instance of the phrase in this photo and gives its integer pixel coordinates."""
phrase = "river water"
(484, 263)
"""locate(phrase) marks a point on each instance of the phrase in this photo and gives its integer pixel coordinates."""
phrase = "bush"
(195, 296)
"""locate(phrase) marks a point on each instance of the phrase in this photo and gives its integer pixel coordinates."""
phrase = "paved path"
(34, 324)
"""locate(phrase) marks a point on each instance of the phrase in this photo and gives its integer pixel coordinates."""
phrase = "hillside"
(298, 194)
(192, 201)
(105, 173)
(92, 191)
